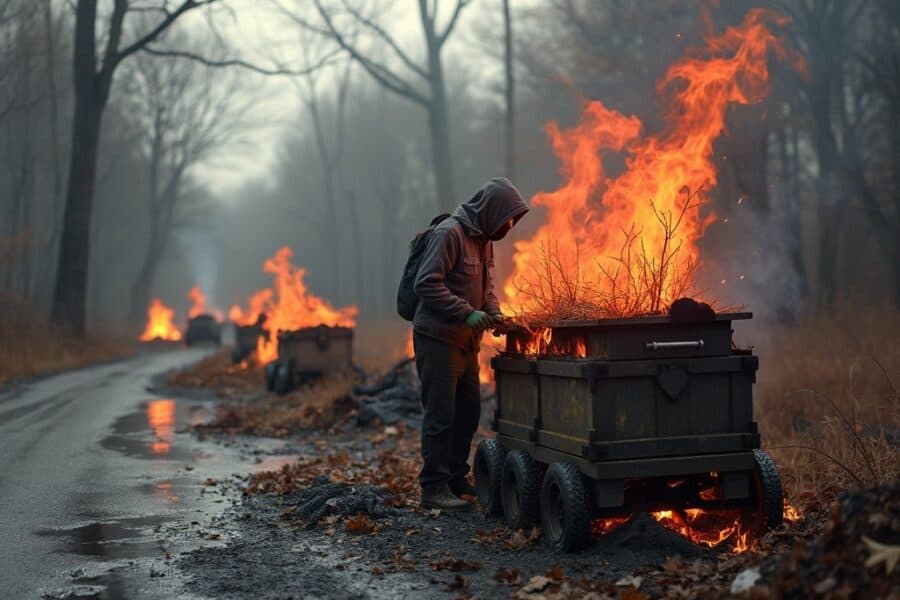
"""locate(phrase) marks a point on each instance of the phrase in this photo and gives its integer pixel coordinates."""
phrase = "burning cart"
(623, 415)
(309, 352)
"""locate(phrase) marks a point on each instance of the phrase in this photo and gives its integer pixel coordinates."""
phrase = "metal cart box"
(656, 415)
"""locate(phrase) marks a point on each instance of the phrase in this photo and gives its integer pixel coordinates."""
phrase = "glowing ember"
(705, 528)
(198, 300)
(627, 245)
(160, 325)
(601, 527)
(291, 306)
(790, 513)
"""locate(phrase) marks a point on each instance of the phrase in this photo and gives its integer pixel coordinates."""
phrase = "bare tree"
(510, 92)
(347, 23)
(329, 140)
(186, 111)
(92, 86)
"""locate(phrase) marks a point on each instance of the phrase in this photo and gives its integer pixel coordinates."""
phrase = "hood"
(492, 206)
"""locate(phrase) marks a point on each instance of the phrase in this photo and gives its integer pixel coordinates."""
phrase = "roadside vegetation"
(31, 346)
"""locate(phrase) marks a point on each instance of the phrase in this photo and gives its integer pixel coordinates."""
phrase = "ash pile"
(393, 397)
(325, 498)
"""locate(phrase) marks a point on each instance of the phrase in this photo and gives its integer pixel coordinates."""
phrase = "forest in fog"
(342, 138)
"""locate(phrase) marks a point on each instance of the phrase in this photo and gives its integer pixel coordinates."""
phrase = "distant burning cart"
(623, 415)
(309, 352)
(246, 338)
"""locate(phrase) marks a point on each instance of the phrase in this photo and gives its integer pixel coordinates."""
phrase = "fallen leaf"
(826, 585)
(631, 593)
(556, 573)
(516, 540)
(630, 580)
(508, 576)
(673, 565)
(458, 583)
(359, 524)
(536, 584)
(882, 553)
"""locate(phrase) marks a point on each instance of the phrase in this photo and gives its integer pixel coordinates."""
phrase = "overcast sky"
(257, 32)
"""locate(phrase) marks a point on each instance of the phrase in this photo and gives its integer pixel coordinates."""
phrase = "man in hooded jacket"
(455, 286)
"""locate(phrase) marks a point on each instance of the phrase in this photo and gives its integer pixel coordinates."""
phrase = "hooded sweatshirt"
(456, 275)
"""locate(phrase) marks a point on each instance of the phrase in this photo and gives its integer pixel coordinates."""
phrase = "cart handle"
(673, 345)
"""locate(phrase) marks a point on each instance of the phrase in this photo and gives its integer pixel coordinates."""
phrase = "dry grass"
(828, 403)
(29, 346)
(251, 409)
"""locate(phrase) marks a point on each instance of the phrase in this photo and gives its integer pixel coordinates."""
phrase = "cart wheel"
(269, 372)
(565, 508)
(283, 381)
(521, 490)
(488, 467)
(765, 492)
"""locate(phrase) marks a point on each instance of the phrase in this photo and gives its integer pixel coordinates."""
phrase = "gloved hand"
(479, 320)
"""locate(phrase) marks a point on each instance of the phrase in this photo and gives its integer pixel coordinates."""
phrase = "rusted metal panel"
(316, 349)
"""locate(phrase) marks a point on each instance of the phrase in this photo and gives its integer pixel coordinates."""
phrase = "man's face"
(501, 233)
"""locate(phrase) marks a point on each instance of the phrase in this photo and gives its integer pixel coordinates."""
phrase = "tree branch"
(236, 62)
(154, 33)
(460, 4)
(380, 72)
(368, 23)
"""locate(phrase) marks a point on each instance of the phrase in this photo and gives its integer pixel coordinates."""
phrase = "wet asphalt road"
(100, 482)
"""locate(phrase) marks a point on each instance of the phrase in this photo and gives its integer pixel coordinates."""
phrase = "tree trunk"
(510, 94)
(439, 126)
(359, 267)
(70, 294)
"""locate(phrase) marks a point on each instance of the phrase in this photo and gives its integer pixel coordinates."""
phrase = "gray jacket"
(456, 275)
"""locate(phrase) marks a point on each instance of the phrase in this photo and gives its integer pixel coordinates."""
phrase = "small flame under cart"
(616, 416)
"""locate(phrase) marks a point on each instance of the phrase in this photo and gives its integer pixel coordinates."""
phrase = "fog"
(202, 172)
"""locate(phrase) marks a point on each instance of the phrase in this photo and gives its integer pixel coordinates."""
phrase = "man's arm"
(491, 305)
(439, 258)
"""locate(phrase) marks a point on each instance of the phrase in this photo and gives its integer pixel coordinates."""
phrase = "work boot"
(462, 488)
(442, 499)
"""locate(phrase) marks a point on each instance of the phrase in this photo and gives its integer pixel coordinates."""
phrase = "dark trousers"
(451, 396)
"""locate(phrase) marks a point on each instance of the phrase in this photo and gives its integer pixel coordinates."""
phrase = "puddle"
(151, 431)
(114, 539)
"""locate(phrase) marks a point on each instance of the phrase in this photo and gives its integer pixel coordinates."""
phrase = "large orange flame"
(257, 305)
(198, 300)
(291, 306)
(160, 323)
(627, 244)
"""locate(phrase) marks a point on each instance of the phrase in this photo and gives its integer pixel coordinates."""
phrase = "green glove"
(479, 320)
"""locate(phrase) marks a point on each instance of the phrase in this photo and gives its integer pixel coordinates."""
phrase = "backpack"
(407, 300)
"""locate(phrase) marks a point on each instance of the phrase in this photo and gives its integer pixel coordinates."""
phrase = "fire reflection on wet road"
(161, 418)
(98, 469)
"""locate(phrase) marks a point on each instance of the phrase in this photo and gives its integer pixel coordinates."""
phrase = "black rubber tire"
(766, 495)
(488, 470)
(566, 508)
(283, 380)
(520, 490)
